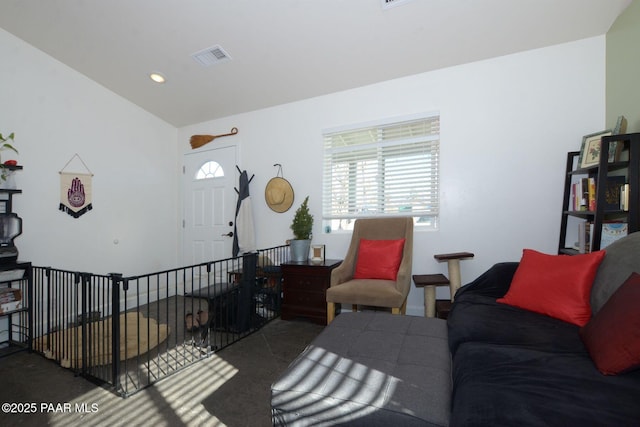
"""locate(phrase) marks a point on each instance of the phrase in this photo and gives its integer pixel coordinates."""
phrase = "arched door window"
(210, 169)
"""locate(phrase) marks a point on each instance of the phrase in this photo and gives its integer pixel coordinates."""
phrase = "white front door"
(209, 205)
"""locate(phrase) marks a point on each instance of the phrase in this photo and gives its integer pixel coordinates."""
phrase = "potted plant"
(302, 227)
(5, 171)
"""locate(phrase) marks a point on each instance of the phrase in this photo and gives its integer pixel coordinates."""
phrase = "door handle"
(229, 234)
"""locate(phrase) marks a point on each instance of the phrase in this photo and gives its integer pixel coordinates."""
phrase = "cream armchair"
(392, 294)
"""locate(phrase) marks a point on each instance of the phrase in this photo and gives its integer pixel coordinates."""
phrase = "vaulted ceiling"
(285, 50)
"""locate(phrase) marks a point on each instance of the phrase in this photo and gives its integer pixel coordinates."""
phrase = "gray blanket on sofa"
(368, 369)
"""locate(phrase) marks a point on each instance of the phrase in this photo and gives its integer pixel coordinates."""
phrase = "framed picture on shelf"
(621, 126)
(590, 150)
(615, 147)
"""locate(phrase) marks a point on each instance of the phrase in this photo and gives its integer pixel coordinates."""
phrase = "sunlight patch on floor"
(176, 400)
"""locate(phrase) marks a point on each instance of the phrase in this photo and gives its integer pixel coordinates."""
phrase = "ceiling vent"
(388, 4)
(211, 56)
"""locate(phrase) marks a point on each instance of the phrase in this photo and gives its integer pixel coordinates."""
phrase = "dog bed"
(138, 335)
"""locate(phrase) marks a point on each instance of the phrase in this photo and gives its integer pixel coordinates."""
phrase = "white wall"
(506, 126)
(56, 113)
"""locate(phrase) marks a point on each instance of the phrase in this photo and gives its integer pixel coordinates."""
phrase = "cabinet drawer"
(305, 283)
(311, 300)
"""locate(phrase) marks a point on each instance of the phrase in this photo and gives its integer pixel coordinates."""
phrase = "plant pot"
(9, 183)
(299, 250)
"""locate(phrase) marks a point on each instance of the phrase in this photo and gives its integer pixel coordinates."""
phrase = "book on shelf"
(624, 197)
(10, 295)
(583, 194)
(612, 231)
(591, 192)
(580, 195)
(10, 300)
(584, 191)
(585, 232)
(612, 196)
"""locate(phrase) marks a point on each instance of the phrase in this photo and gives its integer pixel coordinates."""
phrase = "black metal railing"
(130, 332)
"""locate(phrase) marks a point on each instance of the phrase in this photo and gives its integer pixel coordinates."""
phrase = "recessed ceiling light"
(157, 77)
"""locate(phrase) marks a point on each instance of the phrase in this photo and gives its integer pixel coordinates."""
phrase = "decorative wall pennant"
(75, 190)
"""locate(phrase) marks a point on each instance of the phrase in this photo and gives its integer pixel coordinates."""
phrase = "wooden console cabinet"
(304, 287)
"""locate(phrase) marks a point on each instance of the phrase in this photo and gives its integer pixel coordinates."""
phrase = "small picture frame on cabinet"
(590, 150)
(317, 254)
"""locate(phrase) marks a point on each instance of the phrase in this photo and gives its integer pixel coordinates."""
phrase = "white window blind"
(382, 170)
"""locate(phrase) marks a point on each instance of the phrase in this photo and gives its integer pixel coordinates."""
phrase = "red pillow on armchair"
(379, 259)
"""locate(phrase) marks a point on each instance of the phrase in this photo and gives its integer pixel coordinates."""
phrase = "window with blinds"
(387, 169)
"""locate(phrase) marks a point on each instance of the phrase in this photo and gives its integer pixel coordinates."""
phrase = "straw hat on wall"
(278, 194)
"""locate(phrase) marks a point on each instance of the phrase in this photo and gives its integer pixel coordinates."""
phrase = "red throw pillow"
(379, 259)
(556, 285)
(613, 335)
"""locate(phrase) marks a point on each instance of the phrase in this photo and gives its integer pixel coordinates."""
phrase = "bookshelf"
(15, 276)
(15, 307)
(606, 207)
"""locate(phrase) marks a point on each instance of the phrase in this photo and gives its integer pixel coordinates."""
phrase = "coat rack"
(198, 141)
(240, 172)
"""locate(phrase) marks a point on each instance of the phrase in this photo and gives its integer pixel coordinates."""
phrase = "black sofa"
(514, 367)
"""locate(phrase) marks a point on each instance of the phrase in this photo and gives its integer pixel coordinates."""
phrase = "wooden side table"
(453, 264)
(429, 283)
(304, 288)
